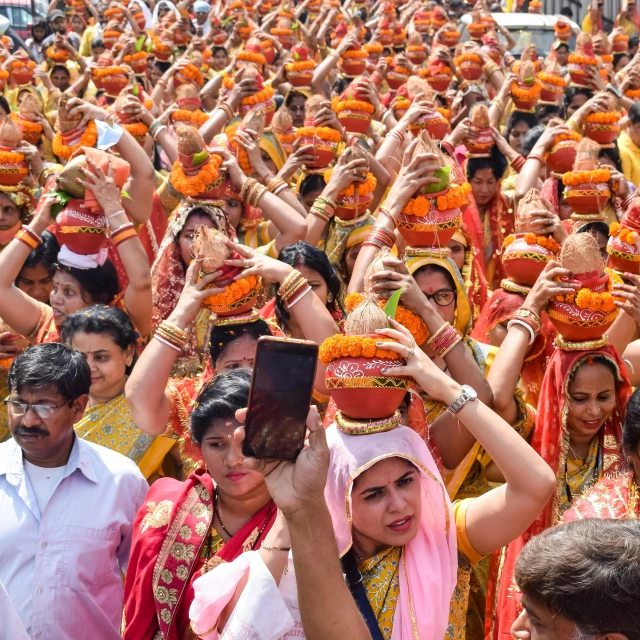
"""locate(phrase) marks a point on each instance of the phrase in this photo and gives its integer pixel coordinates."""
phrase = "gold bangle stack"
(291, 284)
(323, 208)
(172, 336)
(276, 185)
(252, 191)
(228, 111)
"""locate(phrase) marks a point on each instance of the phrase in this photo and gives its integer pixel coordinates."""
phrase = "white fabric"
(43, 481)
(264, 611)
(11, 625)
(62, 567)
(108, 135)
(172, 7)
(89, 261)
(148, 18)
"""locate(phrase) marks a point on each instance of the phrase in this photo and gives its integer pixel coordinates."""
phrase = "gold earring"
(329, 297)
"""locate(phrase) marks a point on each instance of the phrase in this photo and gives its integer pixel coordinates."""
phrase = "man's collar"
(12, 462)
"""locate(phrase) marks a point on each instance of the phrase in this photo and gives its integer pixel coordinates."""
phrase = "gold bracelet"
(246, 187)
(257, 194)
(268, 547)
(288, 280)
(252, 192)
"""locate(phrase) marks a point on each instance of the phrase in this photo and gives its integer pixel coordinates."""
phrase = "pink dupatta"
(430, 561)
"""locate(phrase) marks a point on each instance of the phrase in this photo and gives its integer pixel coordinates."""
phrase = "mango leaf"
(200, 158)
(392, 304)
(149, 47)
(135, 90)
(124, 194)
(57, 207)
(443, 175)
(140, 43)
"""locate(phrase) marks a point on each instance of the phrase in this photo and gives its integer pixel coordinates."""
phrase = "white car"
(526, 29)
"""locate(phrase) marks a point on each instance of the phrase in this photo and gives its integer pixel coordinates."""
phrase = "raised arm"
(137, 295)
(19, 310)
(501, 515)
(146, 389)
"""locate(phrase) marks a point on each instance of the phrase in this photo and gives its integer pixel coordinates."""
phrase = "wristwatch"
(468, 393)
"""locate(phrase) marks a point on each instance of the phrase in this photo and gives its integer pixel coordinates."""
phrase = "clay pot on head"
(114, 84)
(434, 229)
(604, 133)
(551, 93)
(578, 325)
(21, 75)
(346, 379)
(226, 279)
(450, 38)
(579, 76)
(269, 108)
(270, 54)
(523, 262)
(471, 70)
(524, 105)
(300, 78)
(417, 57)
(349, 208)
(623, 257)
(439, 83)
(353, 66)
(562, 156)
(434, 123)
(480, 146)
(355, 121)
(395, 80)
(323, 150)
(586, 199)
(83, 231)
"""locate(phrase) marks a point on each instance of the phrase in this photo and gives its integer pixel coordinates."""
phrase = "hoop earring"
(329, 297)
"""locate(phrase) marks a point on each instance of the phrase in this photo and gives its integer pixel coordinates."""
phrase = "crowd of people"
(447, 211)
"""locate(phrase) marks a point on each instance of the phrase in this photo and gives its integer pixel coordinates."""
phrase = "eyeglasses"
(443, 297)
(43, 411)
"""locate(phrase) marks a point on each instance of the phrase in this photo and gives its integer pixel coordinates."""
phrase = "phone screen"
(279, 399)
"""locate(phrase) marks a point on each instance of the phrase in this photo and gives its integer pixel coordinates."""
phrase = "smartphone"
(279, 398)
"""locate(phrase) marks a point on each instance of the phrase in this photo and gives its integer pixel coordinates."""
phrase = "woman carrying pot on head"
(80, 281)
(392, 518)
(186, 528)
(161, 404)
(107, 340)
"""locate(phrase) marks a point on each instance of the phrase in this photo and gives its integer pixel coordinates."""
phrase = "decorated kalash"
(586, 189)
(622, 247)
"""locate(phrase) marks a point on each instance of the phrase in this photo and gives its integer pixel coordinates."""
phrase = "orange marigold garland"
(234, 292)
(355, 105)
(531, 238)
(250, 56)
(550, 78)
(240, 152)
(302, 65)
(196, 118)
(592, 300)
(88, 138)
(261, 96)
(576, 58)
(137, 129)
(340, 346)
(58, 55)
(26, 125)
(467, 57)
(363, 189)
(530, 93)
(198, 183)
(324, 133)
(604, 118)
(455, 197)
(354, 53)
(575, 178)
(192, 72)
(625, 235)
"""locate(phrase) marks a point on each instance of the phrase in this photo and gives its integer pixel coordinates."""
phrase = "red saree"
(550, 439)
(170, 532)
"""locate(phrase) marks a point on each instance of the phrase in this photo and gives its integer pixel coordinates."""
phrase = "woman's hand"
(346, 173)
(248, 140)
(548, 136)
(295, 486)
(419, 366)
(549, 285)
(7, 347)
(231, 166)
(599, 102)
(385, 283)
(464, 131)
(243, 88)
(620, 183)
(416, 110)
(546, 223)
(414, 174)
(32, 156)
(42, 219)
(89, 111)
(257, 264)
(193, 293)
(630, 293)
(103, 187)
(301, 155)
(327, 117)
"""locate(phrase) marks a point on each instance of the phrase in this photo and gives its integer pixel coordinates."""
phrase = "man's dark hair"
(219, 400)
(51, 365)
(633, 41)
(566, 11)
(588, 572)
(631, 425)
(634, 113)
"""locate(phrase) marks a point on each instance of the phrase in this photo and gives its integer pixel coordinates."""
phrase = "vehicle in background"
(526, 29)
(20, 14)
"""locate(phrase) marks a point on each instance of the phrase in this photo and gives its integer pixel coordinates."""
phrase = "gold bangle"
(252, 192)
(288, 280)
(246, 187)
(172, 328)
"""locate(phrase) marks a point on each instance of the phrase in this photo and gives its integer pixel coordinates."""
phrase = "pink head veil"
(430, 561)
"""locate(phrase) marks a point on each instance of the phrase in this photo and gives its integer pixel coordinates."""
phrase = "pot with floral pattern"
(562, 153)
(602, 127)
(525, 255)
(624, 255)
(80, 229)
(588, 313)
(436, 124)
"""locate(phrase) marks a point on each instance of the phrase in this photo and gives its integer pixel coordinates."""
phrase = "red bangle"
(443, 340)
(535, 156)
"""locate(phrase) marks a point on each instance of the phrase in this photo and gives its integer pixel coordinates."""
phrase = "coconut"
(480, 116)
(580, 254)
(282, 121)
(212, 244)
(587, 155)
(66, 180)
(10, 133)
(29, 107)
(531, 202)
(365, 319)
(254, 121)
(376, 266)
(190, 141)
(66, 122)
(416, 85)
(312, 106)
(526, 73)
